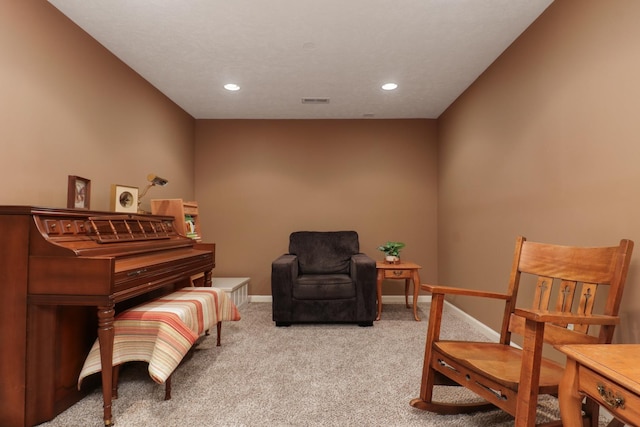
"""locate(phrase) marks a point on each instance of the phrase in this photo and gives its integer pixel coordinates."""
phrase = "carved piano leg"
(105, 337)
(114, 387)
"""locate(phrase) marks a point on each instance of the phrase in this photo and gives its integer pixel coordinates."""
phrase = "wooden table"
(608, 373)
(403, 270)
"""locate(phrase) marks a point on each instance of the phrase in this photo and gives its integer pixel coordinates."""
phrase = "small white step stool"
(237, 288)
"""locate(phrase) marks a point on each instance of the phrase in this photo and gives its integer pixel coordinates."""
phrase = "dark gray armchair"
(323, 278)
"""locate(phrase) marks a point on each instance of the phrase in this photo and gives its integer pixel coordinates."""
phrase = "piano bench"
(162, 331)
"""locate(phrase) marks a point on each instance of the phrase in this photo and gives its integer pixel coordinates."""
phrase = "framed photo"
(124, 198)
(78, 192)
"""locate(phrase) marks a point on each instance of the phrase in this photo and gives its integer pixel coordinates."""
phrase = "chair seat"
(498, 362)
(324, 287)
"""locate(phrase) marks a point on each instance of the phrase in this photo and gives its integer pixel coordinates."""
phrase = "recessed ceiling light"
(389, 86)
(232, 87)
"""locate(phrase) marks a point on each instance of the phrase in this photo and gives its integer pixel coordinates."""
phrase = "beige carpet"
(304, 375)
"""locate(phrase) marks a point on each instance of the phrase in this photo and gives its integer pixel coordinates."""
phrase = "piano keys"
(63, 275)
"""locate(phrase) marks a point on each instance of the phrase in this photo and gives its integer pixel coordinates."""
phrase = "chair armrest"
(363, 261)
(363, 273)
(285, 259)
(438, 289)
(363, 269)
(545, 316)
(284, 270)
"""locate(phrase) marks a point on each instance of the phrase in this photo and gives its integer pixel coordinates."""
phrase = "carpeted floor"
(304, 375)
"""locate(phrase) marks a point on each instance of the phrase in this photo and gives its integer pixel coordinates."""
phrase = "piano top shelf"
(95, 233)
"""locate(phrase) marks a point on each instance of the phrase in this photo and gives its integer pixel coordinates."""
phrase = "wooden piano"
(63, 275)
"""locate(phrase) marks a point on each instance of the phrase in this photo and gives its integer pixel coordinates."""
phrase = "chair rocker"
(511, 378)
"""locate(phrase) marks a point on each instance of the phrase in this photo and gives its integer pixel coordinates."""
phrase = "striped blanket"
(162, 331)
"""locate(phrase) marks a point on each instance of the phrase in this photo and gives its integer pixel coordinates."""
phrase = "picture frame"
(124, 198)
(78, 192)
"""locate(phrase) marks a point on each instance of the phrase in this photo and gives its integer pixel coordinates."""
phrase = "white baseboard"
(260, 298)
(475, 323)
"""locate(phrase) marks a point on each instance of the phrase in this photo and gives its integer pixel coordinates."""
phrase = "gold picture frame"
(124, 198)
(78, 192)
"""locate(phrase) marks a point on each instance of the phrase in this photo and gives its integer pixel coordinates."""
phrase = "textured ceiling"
(280, 51)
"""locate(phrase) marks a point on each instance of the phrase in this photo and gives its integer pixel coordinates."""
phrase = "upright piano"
(64, 273)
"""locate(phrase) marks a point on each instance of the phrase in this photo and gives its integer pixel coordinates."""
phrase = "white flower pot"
(392, 259)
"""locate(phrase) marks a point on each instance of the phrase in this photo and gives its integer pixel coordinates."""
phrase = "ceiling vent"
(315, 100)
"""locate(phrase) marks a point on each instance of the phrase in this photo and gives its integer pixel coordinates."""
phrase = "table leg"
(416, 289)
(406, 292)
(379, 291)
(569, 399)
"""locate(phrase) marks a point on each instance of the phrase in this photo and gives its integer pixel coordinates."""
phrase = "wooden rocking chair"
(511, 378)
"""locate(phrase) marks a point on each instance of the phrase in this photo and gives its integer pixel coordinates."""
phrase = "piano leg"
(115, 375)
(105, 337)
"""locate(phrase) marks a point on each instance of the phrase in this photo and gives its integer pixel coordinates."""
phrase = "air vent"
(315, 100)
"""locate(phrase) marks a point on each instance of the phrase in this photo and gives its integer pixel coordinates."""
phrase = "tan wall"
(545, 144)
(69, 107)
(257, 181)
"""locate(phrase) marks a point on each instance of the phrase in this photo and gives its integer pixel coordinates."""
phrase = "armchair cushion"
(324, 286)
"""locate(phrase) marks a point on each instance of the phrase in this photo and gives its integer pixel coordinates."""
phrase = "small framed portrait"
(78, 192)
(124, 198)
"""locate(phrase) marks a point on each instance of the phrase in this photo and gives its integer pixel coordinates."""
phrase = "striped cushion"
(162, 331)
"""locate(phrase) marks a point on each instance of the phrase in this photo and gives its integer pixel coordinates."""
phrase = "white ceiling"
(280, 51)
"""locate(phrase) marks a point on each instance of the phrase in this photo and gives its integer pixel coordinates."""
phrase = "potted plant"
(392, 251)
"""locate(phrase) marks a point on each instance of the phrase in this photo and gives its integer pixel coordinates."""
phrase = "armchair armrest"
(544, 316)
(285, 260)
(360, 262)
(438, 289)
(363, 268)
(284, 270)
(363, 273)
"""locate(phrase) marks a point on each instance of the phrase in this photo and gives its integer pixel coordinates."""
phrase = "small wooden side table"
(607, 373)
(403, 270)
